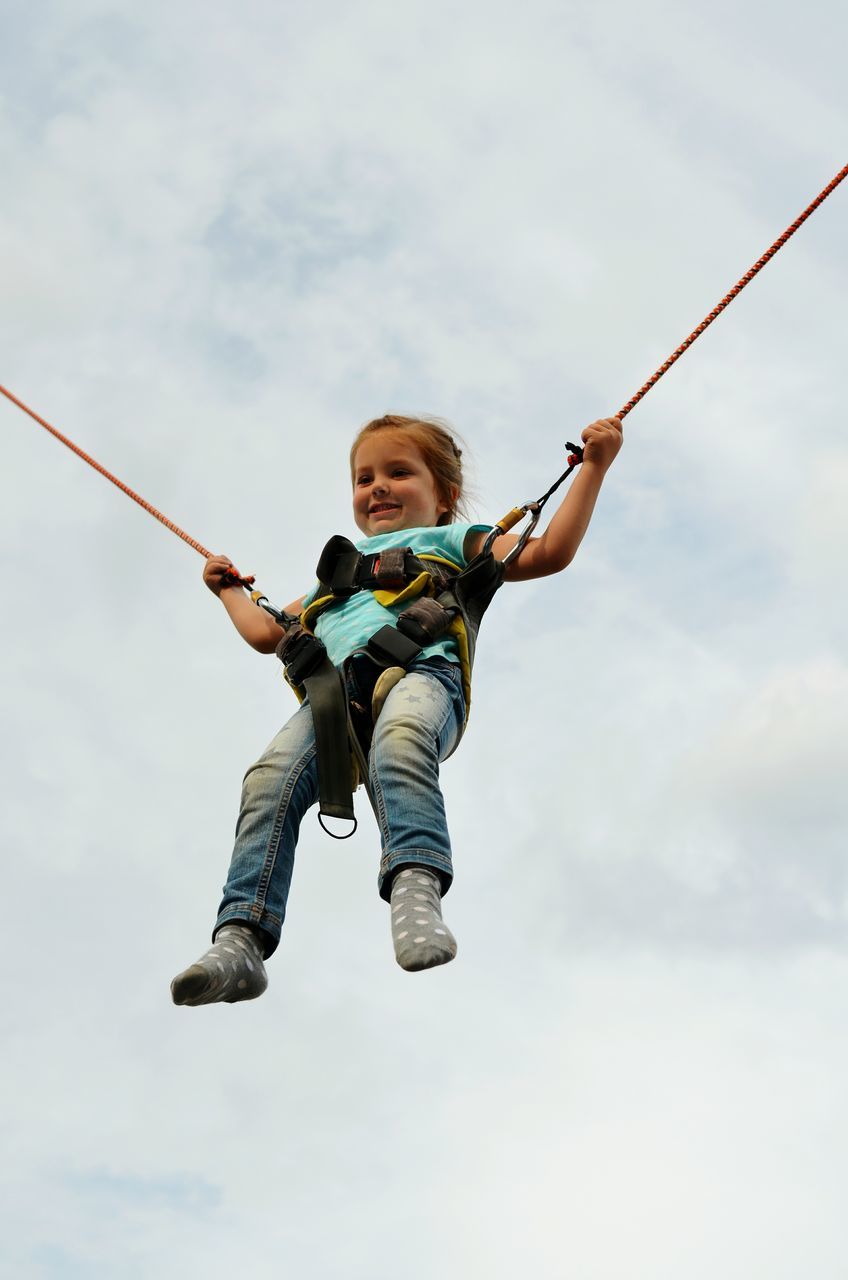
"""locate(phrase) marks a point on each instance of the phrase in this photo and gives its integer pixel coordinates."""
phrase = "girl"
(407, 492)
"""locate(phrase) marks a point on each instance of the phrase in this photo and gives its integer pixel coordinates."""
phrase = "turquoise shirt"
(349, 624)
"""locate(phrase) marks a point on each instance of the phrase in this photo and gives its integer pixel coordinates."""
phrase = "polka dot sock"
(231, 970)
(422, 939)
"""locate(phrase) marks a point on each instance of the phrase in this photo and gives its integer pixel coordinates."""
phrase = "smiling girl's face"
(393, 488)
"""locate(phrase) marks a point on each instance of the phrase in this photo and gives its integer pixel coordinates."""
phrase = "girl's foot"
(422, 939)
(231, 970)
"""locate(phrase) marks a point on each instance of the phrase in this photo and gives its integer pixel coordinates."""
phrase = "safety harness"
(441, 599)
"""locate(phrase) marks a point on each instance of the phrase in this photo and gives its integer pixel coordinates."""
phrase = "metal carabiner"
(509, 521)
(534, 510)
(280, 616)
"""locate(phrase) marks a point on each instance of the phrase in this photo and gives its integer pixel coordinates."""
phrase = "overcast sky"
(230, 235)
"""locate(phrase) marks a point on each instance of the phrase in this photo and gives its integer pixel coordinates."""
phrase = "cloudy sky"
(230, 235)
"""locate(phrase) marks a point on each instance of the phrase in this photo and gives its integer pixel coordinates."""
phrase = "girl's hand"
(602, 441)
(220, 572)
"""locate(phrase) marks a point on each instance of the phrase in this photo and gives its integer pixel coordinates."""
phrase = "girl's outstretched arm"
(556, 547)
(253, 624)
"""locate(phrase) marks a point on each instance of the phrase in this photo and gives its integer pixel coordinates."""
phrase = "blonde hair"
(441, 454)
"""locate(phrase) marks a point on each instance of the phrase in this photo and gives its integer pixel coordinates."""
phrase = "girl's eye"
(364, 480)
(400, 471)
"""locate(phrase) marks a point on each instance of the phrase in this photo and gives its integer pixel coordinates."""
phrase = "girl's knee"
(401, 729)
(278, 773)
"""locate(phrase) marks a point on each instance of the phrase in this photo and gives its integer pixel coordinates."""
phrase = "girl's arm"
(556, 547)
(253, 624)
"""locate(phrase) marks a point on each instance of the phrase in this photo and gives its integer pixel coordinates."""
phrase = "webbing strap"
(326, 693)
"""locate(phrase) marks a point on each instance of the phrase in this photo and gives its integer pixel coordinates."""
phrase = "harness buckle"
(390, 569)
(392, 648)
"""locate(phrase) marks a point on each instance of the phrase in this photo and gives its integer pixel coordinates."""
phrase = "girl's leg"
(418, 727)
(277, 791)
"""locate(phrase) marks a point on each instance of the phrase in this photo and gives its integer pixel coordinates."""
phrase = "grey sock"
(422, 939)
(231, 970)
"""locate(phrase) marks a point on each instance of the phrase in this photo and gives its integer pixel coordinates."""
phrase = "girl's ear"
(446, 516)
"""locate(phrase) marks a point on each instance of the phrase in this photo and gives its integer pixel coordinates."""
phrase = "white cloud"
(229, 238)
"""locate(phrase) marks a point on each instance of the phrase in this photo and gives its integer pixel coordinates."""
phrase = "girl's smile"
(393, 488)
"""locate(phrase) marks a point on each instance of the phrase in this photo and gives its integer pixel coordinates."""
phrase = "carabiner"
(280, 616)
(534, 510)
(509, 521)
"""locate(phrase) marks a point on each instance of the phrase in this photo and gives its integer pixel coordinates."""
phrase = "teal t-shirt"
(348, 625)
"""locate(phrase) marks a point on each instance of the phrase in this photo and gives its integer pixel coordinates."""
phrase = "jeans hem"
(270, 925)
(391, 863)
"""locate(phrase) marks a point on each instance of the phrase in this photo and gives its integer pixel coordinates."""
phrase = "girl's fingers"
(602, 440)
(604, 426)
(218, 564)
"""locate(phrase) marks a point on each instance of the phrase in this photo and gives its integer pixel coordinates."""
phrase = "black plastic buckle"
(367, 570)
(392, 648)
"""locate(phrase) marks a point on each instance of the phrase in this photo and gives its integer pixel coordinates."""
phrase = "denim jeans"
(418, 727)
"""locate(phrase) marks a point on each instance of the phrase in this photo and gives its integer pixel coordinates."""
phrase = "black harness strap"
(326, 693)
(308, 667)
(339, 566)
(426, 619)
(342, 570)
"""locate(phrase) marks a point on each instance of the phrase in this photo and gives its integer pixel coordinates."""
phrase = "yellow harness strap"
(423, 584)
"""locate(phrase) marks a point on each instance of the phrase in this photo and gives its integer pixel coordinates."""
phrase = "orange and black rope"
(92, 462)
(696, 333)
(737, 288)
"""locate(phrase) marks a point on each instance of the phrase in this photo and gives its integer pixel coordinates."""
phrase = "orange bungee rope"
(737, 288)
(514, 516)
(92, 462)
(131, 493)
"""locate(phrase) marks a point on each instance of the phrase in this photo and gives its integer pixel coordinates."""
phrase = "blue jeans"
(418, 727)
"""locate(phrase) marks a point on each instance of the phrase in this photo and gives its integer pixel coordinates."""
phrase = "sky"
(230, 235)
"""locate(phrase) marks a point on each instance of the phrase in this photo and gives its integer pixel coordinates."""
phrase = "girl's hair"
(440, 452)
